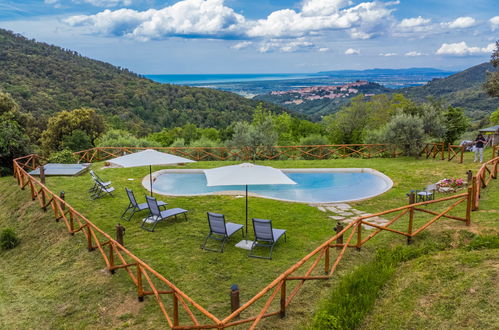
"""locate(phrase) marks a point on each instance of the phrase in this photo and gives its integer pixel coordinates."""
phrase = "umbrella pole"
(246, 212)
(150, 178)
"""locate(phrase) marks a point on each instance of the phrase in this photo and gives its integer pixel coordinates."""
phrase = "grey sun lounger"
(220, 230)
(265, 236)
(134, 207)
(96, 179)
(101, 189)
(156, 215)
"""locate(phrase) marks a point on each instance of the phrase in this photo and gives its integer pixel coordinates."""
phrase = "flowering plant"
(454, 183)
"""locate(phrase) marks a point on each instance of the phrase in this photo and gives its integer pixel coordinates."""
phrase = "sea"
(251, 85)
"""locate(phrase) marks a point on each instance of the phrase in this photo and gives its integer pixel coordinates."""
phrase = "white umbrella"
(148, 157)
(244, 175)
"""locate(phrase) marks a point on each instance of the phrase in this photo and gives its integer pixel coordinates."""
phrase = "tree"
(492, 82)
(406, 132)
(14, 142)
(455, 122)
(120, 138)
(66, 122)
(494, 117)
(76, 141)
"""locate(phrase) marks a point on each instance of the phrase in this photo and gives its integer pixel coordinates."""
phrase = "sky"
(262, 36)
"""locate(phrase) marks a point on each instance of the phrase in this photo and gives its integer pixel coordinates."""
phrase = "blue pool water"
(311, 187)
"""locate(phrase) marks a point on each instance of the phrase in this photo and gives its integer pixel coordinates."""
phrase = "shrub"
(8, 239)
(63, 157)
(120, 138)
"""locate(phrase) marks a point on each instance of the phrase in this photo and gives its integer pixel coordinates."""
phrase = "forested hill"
(45, 79)
(463, 89)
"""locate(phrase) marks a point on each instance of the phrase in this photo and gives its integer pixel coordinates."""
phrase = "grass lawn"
(174, 248)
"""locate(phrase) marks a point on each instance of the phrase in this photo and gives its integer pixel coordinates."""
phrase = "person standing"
(479, 144)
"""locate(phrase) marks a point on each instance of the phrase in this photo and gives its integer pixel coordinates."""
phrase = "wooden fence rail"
(430, 150)
(320, 264)
(487, 172)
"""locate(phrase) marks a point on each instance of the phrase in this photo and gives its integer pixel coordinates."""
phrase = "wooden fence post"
(326, 260)
(338, 228)
(234, 298)
(44, 206)
(474, 185)
(282, 311)
(111, 258)
(412, 198)
(140, 288)
(89, 239)
(469, 174)
(469, 201)
(359, 236)
(175, 309)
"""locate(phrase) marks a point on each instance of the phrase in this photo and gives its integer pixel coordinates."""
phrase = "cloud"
(409, 23)
(187, 18)
(494, 22)
(323, 49)
(462, 49)
(352, 51)
(97, 3)
(285, 46)
(242, 45)
(323, 7)
(460, 23)
(388, 54)
(414, 53)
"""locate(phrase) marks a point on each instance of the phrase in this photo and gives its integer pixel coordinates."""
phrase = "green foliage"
(64, 123)
(178, 143)
(492, 82)
(120, 138)
(484, 242)
(8, 239)
(76, 141)
(63, 157)
(494, 117)
(45, 79)
(14, 142)
(405, 131)
(314, 139)
(456, 123)
(204, 142)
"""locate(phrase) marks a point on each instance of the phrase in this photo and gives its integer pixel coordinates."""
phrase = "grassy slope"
(196, 272)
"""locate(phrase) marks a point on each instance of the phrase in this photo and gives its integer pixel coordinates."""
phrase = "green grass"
(174, 249)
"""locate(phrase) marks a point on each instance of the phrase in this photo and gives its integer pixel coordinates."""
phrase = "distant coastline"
(202, 79)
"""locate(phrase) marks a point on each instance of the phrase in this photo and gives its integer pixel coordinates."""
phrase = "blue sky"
(262, 36)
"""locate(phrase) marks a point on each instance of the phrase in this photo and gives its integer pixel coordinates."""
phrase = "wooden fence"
(487, 172)
(320, 264)
(430, 150)
(252, 153)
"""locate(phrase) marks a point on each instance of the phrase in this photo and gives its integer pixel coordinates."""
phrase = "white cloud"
(97, 3)
(414, 53)
(323, 7)
(299, 44)
(460, 23)
(352, 51)
(494, 22)
(323, 49)
(192, 18)
(408, 23)
(462, 49)
(242, 45)
(388, 54)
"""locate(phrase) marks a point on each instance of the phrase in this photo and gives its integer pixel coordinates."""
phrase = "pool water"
(322, 187)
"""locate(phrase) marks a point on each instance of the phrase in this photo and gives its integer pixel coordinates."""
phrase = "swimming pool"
(313, 185)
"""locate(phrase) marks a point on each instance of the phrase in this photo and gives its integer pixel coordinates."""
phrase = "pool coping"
(388, 182)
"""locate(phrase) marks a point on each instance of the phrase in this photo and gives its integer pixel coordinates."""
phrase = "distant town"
(313, 93)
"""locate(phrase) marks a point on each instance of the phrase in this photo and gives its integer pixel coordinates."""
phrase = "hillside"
(45, 79)
(318, 101)
(463, 89)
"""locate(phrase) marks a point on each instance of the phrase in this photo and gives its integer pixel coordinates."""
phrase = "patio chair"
(220, 230)
(265, 236)
(133, 206)
(427, 194)
(101, 189)
(156, 215)
(95, 179)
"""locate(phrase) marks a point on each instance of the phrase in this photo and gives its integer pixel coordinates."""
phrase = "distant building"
(491, 133)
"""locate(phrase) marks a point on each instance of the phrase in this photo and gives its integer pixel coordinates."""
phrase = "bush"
(120, 138)
(63, 157)
(8, 239)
